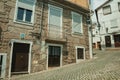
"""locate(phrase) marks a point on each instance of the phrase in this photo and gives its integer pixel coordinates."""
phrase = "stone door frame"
(11, 53)
(48, 53)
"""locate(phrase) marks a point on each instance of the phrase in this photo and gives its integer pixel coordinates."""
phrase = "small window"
(119, 6)
(76, 23)
(80, 53)
(107, 10)
(25, 11)
(114, 23)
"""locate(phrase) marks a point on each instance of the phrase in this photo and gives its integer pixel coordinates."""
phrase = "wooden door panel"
(108, 41)
(21, 62)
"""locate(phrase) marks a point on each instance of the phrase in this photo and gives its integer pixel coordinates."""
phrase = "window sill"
(23, 22)
(27, 24)
(77, 34)
(107, 13)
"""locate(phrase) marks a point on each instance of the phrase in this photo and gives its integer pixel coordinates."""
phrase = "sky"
(95, 4)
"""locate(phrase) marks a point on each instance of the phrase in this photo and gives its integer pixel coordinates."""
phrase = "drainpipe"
(90, 32)
(42, 3)
(100, 46)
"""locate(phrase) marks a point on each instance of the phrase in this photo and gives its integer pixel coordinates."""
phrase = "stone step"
(118, 48)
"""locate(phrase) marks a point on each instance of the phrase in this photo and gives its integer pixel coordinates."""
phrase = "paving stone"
(105, 67)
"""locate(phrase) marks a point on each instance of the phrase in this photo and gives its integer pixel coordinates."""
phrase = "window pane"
(28, 15)
(20, 14)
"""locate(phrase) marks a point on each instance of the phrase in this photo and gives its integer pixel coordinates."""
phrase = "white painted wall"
(105, 20)
(96, 38)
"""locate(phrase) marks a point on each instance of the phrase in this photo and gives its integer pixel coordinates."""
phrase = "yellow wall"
(83, 3)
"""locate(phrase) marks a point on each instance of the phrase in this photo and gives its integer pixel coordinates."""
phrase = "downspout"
(100, 47)
(41, 16)
(90, 33)
(97, 16)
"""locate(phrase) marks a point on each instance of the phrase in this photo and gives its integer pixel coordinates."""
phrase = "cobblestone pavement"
(106, 66)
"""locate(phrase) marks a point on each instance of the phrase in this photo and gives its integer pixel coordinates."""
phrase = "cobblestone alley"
(104, 66)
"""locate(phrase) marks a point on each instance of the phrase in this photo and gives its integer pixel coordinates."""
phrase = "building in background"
(109, 23)
(36, 35)
(95, 36)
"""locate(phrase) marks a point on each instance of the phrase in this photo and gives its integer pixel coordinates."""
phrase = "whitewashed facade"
(108, 16)
(96, 37)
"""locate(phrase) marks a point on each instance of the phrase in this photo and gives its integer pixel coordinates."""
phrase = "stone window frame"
(25, 7)
(12, 41)
(81, 31)
(76, 47)
(108, 12)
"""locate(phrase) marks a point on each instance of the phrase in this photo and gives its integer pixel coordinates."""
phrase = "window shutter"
(114, 23)
(107, 10)
(55, 17)
(29, 2)
(55, 21)
(77, 21)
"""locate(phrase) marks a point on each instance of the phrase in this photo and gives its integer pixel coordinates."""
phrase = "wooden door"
(21, 62)
(107, 41)
(20, 57)
(117, 40)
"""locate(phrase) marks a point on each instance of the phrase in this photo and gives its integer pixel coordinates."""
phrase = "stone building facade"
(37, 35)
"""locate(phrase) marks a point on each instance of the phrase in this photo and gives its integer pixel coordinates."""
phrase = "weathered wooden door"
(20, 57)
(117, 40)
(107, 41)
